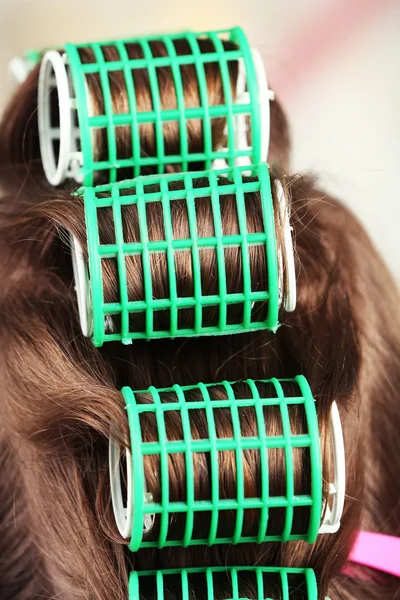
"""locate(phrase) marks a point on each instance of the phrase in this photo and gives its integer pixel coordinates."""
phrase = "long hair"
(59, 395)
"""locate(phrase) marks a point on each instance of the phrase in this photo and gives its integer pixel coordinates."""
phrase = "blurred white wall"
(334, 64)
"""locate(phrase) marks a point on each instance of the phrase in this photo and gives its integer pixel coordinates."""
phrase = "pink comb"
(378, 551)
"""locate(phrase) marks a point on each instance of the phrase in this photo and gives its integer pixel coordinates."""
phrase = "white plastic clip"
(123, 513)
(20, 69)
(337, 489)
(83, 292)
(241, 121)
(82, 287)
(286, 257)
(265, 96)
(67, 163)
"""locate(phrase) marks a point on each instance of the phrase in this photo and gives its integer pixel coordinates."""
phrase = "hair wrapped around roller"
(214, 438)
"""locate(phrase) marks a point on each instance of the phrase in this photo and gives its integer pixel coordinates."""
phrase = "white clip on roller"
(265, 95)
(82, 287)
(337, 489)
(286, 257)
(122, 512)
(83, 291)
(19, 69)
(64, 161)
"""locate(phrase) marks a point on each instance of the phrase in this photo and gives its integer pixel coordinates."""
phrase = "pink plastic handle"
(378, 551)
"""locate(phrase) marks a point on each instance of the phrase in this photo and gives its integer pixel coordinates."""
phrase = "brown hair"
(60, 395)
(19, 128)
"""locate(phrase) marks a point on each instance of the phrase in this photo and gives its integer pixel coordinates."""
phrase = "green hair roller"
(224, 583)
(68, 147)
(149, 522)
(113, 321)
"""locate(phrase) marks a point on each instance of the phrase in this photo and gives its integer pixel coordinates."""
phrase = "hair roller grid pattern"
(232, 582)
(162, 191)
(215, 447)
(157, 117)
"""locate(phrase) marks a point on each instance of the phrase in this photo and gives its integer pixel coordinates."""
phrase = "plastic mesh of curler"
(68, 151)
(141, 508)
(111, 321)
(283, 581)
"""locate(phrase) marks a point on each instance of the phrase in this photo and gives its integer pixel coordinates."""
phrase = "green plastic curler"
(182, 404)
(224, 583)
(128, 319)
(68, 138)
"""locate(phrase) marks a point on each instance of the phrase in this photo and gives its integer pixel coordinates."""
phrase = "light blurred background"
(334, 64)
